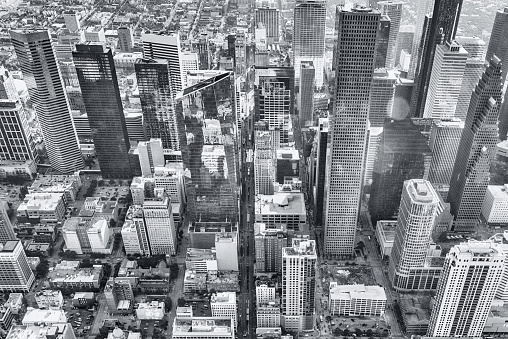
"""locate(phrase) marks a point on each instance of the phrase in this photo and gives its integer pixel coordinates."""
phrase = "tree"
(174, 271)
(42, 269)
(338, 332)
(181, 302)
(346, 332)
(168, 304)
(370, 333)
(328, 318)
(112, 181)
(100, 183)
(23, 191)
(358, 332)
(112, 223)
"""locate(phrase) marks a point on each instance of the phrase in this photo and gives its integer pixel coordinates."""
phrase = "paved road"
(100, 315)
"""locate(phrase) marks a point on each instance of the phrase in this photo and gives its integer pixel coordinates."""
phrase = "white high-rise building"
(159, 223)
(472, 272)
(167, 47)
(135, 225)
(130, 238)
(151, 155)
(472, 73)
(424, 7)
(309, 36)
(6, 230)
(226, 249)
(189, 62)
(356, 26)
(71, 20)
(223, 304)
(265, 161)
(419, 206)
(298, 285)
(15, 275)
(445, 81)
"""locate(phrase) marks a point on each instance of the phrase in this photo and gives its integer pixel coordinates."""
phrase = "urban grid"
(253, 169)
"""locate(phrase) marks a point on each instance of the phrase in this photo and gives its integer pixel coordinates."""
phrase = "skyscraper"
(270, 19)
(274, 98)
(403, 154)
(477, 146)
(265, 160)
(393, 9)
(159, 223)
(16, 275)
(442, 29)
(6, 230)
(423, 8)
(240, 53)
(498, 44)
(37, 61)
(321, 154)
(382, 41)
(156, 96)
(382, 95)
(16, 141)
(209, 148)
(405, 41)
(472, 271)
(348, 125)
(408, 268)
(167, 47)
(475, 46)
(309, 36)
(472, 73)
(97, 78)
(445, 81)
(444, 143)
(306, 94)
(298, 285)
(125, 39)
(269, 244)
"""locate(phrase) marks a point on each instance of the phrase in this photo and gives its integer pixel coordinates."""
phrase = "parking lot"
(200, 308)
(81, 320)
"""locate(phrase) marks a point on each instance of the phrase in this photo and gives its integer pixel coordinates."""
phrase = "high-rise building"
(16, 140)
(475, 46)
(270, 19)
(472, 73)
(423, 8)
(408, 268)
(348, 125)
(6, 230)
(405, 41)
(119, 296)
(189, 63)
(265, 161)
(240, 61)
(444, 143)
(321, 154)
(442, 29)
(268, 245)
(8, 89)
(472, 271)
(306, 94)
(309, 36)
(159, 223)
(446, 81)
(37, 61)
(135, 216)
(223, 304)
(393, 9)
(151, 155)
(298, 285)
(209, 149)
(71, 20)
(101, 95)
(167, 47)
(382, 41)
(125, 39)
(403, 154)
(375, 135)
(382, 95)
(16, 275)
(274, 98)
(470, 176)
(498, 44)
(156, 96)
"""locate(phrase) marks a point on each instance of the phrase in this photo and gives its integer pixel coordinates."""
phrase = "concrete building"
(160, 225)
(119, 296)
(466, 289)
(130, 237)
(42, 208)
(472, 73)
(194, 282)
(385, 235)
(203, 328)
(445, 81)
(125, 39)
(444, 143)
(202, 234)
(298, 285)
(268, 245)
(52, 107)
(35, 316)
(410, 267)
(61, 331)
(356, 300)
(348, 132)
(495, 205)
(151, 155)
(392, 9)
(6, 229)
(69, 185)
(306, 94)
(264, 292)
(309, 36)
(71, 20)
(375, 135)
(268, 314)
(382, 95)
(201, 260)
(67, 274)
(150, 311)
(189, 63)
(265, 162)
(223, 304)
(226, 250)
(405, 42)
(16, 275)
(269, 16)
(87, 236)
(281, 208)
(49, 299)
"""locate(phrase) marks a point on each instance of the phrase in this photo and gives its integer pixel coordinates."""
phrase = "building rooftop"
(52, 183)
(499, 192)
(191, 275)
(75, 275)
(37, 332)
(415, 309)
(198, 254)
(223, 298)
(387, 229)
(421, 191)
(38, 316)
(212, 227)
(218, 277)
(280, 203)
(10, 245)
(203, 325)
(341, 292)
(41, 201)
(304, 247)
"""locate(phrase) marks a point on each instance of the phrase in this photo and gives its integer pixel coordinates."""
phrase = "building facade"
(16, 275)
(392, 9)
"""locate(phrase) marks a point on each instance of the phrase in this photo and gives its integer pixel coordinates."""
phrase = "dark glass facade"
(99, 86)
(383, 37)
(156, 96)
(207, 120)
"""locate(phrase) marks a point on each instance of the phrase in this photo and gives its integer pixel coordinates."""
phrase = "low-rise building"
(281, 208)
(92, 236)
(415, 313)
(265, 292)
(201, 260)
(119, 296)
(385, 234)
(67, 274)
(60, 331)
(202, 234)
(83, 299)
(497, 320)
(184, 312)
(223, 304)
(69, 185)
(495, 205)
(222, 281)
(356, 300)
(194, 282)
(17, 168)
(15, 302)
(35, 316)
(42, 208)
(150, 311)
(102, 208)
(49, 299)
(8, 310)
(268, 314)
(203, 328)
